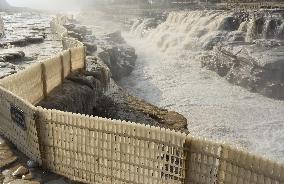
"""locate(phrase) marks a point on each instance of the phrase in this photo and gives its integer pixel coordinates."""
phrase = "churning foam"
(168, 74)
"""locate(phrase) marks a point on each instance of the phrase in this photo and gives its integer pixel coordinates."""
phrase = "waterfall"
(202, 30)
(188, 30)
(243, 26)
(280, 32)
(251, 30)
(169, 74)
(140, 27)
(269, 29)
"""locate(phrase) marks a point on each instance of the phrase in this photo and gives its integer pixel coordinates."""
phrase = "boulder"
(20, 171)
(91, 47)
(19, 43)
(229, 24)
(11, 57)
(35, 39)
(212, 41)
(115, 37)
(81, 30)
(75, 35)
(120, 59)
(69, 26)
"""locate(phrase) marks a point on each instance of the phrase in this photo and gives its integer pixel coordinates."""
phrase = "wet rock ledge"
(94, 92)
(83, 92)
(265, 78)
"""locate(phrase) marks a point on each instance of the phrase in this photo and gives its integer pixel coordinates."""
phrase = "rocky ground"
(27, 39)
(16, 168)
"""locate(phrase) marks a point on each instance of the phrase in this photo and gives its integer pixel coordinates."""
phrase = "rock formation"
(112, 49)
(241, 69)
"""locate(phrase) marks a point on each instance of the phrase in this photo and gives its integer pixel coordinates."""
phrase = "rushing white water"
(168, 74)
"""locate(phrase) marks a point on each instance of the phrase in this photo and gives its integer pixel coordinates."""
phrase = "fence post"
(39, 136)
(43, 78)
(70, 53)
(222, 166)
(187, 149)
(62, 68)
(85, 59)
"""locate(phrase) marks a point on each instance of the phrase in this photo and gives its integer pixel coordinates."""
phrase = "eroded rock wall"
(243, 70)
(112, 49)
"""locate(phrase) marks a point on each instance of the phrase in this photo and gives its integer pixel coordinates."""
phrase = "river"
(168, 73)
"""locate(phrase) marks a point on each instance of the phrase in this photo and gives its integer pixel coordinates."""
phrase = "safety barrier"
(34, 83)
(57, 26)
(98, 150)
(17, 118)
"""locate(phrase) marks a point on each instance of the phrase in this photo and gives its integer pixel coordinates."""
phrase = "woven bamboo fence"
(98, 150)
(17, 123)
(38, 80)
(57, 26)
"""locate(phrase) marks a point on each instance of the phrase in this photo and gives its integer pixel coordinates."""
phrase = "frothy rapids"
(168, 74)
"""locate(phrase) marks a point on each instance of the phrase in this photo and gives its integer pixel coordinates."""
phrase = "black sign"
(18, 116)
